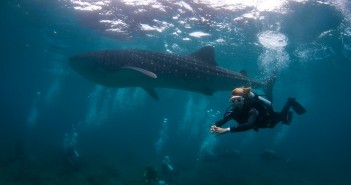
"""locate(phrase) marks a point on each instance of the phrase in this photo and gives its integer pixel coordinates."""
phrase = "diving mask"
(237, 101)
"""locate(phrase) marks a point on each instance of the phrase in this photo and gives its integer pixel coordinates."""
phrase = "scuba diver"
(168, 171)
(252, 111)
(150, 175)
(70, 148)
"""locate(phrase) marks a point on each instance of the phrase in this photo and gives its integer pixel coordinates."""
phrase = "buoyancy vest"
(264, 118)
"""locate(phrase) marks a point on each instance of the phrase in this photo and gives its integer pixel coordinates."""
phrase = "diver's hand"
(212, 129)
(218, 130)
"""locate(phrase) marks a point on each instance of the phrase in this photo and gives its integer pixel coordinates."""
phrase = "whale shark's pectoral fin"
(142, 71)
(152, 92)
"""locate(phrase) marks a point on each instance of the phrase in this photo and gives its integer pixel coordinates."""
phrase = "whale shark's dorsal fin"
(205, 54)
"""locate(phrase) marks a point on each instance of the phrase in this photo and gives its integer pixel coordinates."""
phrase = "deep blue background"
(118, 128)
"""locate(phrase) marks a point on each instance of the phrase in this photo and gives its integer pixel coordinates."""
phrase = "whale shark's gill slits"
(99, 58)
(104, 60)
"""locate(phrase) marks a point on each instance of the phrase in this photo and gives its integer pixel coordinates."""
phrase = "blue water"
(121, 131)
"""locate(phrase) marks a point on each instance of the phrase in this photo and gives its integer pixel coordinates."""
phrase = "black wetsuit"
(254, 114)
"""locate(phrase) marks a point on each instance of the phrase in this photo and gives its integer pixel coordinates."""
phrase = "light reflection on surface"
(139, 16)
(255, 22)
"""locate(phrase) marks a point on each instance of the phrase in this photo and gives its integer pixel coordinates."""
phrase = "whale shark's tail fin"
(269, 86)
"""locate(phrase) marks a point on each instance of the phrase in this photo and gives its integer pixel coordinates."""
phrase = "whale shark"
(195, 72)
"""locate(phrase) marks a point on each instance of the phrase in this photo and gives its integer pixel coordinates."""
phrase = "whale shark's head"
(86, 65)
(95, 66)
(98, 60)
(107, 67)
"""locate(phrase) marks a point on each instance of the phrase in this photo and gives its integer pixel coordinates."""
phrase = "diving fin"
(298, 108)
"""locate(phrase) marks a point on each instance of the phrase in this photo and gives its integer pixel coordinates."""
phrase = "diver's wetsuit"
(254, 115)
